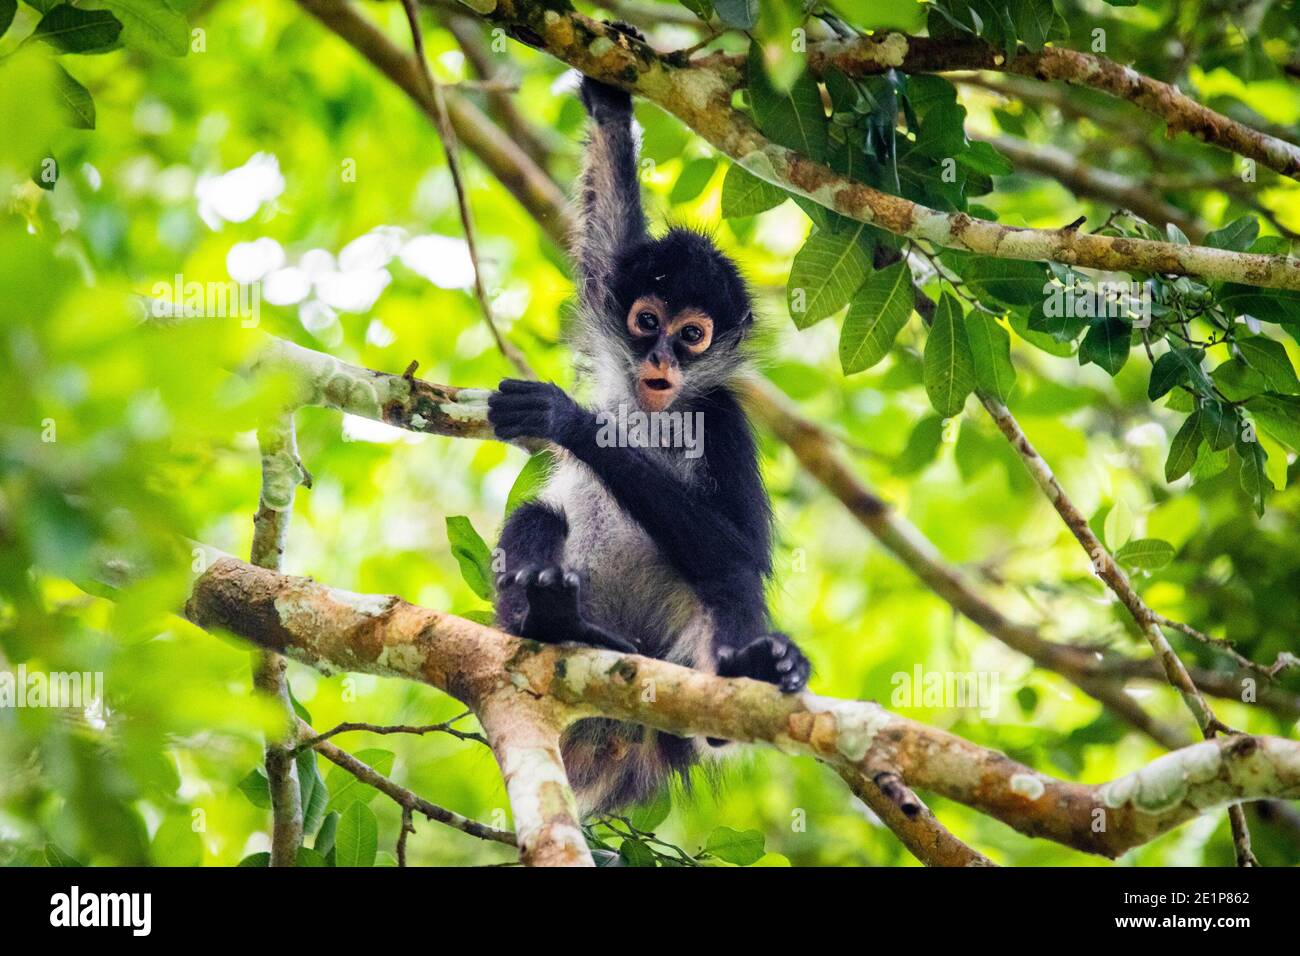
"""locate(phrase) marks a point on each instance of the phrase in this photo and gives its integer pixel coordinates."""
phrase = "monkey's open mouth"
(657, 384)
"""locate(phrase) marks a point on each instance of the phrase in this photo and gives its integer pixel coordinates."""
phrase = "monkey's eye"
(692, 334)
(647, 321)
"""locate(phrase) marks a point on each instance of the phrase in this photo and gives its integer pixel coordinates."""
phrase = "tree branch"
(863, 56)
(282, 472)
(524, 693)
(700, 95)
(406, 799)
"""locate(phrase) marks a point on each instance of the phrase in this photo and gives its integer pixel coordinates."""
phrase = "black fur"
(709, 520)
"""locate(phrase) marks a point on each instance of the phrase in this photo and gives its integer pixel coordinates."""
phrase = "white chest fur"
(630, 588)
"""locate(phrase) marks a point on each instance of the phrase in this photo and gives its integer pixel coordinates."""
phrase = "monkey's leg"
(536, 598)
(554, 613)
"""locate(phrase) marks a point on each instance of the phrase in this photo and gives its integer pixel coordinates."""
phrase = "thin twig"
(449, 145)
(445, 728)
(1109, 571)
(401, 795)
(408, 827)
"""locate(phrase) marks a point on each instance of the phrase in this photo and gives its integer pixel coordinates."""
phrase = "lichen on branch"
(498, 675)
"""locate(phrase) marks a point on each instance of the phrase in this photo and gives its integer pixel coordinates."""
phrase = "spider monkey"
(643, 549)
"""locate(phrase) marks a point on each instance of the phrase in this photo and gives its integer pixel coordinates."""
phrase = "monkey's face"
(665, 342)
(681, 313)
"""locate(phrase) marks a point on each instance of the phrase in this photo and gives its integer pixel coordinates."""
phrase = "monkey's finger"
(797, 679)
(527, 574)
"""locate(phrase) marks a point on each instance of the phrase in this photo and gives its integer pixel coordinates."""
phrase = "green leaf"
(1218, 425)
(315, 795)
(530, 481)
(78, 106)
(741, 14)
(1279, 415)
(1033, 21)
(1237, 380)
(345, 789)
(795, 119)
(1267, 305)
(472, 555)
(1172, 369)
(635, 853)
(825, 273)
(257, 789)
(7, 10)
(990, 347)
(1269, 358)
(984, 158)
(255, 860)
(1106, 345)
(149, 25)
(701, 8)
(744, 194)
(949, 370)
(1118, 526)
(645, 817)
(694, 176)
(309, 857)
(877, 313)
(1209, 463)
(324, 841)
(1182, 450)
(1252, 477)
(735, 846)
(1149, 554)
(56, 856)
(357, 838)
(1237, 235)
(1012, 282)
(176, 843)
(922, 445)
(72, 30)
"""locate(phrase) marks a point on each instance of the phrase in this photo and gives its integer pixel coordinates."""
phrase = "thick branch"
(908, 54)
(523, 691)
(701, 97)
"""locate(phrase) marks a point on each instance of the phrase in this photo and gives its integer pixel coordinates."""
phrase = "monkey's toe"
(772, 658)
(554, 613)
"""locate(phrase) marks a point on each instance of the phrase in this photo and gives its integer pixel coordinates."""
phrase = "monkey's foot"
(773, 658)
(554, 615)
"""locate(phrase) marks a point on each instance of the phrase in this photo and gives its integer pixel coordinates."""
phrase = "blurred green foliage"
(122, 441)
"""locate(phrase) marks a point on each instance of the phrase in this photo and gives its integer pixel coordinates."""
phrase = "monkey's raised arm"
(612, 219)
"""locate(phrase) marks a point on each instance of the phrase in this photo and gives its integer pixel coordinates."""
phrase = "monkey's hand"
(520, 409)
(554, 613)
(605, 102)
(773, 658)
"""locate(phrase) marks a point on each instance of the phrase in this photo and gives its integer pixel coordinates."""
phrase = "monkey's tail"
(613, 765)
